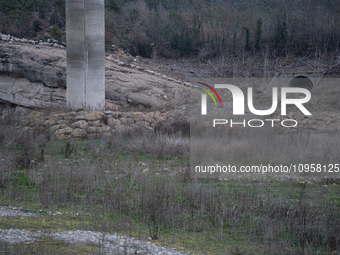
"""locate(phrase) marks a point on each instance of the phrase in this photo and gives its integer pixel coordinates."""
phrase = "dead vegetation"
(140, 184)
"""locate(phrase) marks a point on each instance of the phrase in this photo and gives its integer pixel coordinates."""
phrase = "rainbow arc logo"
(204, 97)
(208, 92)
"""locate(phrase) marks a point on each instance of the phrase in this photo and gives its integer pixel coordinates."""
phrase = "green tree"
(8, 7)
(258, 34)
(281, 32)
(113, 5)
(247, 45)
(37, 25)
(55, 32)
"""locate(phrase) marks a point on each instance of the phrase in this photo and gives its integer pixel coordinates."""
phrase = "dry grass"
(264, 146)
(139, 185)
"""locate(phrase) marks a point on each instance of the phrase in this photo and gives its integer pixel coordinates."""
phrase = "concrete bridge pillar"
(85, 38)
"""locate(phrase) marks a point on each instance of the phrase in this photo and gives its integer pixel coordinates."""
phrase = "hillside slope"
(35, 76)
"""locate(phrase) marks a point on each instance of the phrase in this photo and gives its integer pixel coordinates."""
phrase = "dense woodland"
(185, 28)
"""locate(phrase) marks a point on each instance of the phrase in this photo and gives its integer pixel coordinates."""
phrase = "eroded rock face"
(36, 77)
(47, 67)
(23, 92)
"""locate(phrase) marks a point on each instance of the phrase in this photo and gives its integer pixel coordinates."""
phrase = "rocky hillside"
(139, 93)
(34, 76)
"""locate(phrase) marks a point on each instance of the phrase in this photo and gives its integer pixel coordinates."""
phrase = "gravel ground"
(16, 236)
(110, 244)
(10, 211)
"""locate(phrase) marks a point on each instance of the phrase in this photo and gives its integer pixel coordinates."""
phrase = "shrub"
(37, 26)
(140, 48)
(180, 126)
(281, 33)
(144, 50)
(258, 34)
(112, 5)
(247, 44)
(55, 32)
(183, 43)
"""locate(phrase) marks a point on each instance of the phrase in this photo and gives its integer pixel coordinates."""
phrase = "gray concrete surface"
(85, 35)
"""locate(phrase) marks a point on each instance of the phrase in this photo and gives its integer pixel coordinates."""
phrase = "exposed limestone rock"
(78, 133)
(126, 121)
(111, 107)
(43, 80)
(97, 123)
(81, 115)
(67, 125)
(115, 115)
(91, 129)
(50, 122)
(42, 66)
(148, 118)
(95, 115)
(106, 129)
(137, 116)
(122, 128)
(112, 122)
(54, 128)
(23, 92)
(60, 122)
(64, 137)
(80, 124)
(328, 120)
(64, 131)
(143, 124)
(318, 122)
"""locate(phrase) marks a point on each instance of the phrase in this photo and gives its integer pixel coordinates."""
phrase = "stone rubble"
(83, 124)
(325, 122)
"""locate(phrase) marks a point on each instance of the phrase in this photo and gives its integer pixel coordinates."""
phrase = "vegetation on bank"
(116, 186)
(183, 28)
